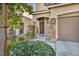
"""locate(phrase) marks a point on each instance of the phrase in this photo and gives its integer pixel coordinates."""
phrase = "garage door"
(69, 28)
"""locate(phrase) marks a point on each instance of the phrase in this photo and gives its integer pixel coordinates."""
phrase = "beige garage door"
(69, 28)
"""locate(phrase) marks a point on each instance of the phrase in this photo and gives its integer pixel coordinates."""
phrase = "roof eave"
(58, 5)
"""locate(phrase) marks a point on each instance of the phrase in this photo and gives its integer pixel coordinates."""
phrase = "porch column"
(46, 27)
(50, 28)
(57, 28)
(36, 27)
(53, 28)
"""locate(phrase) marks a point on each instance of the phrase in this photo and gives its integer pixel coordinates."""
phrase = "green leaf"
(15, 11)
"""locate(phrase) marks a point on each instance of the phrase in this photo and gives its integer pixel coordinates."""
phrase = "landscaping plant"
(31, 48)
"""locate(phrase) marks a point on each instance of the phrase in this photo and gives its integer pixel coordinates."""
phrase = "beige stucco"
(64, 9)
(47, 27)
(76, 13)
(26, 21)
(40, 6)
(43, 14)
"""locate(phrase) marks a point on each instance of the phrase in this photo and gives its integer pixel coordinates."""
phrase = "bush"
(32, 48)
(10, 44)
(31, 32)
(21, 38)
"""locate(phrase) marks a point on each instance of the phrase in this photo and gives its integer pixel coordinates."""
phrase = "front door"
(42, 27)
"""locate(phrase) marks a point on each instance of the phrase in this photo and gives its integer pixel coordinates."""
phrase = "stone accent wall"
(53, 28)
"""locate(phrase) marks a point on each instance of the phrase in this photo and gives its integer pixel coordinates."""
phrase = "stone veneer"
(53, 28)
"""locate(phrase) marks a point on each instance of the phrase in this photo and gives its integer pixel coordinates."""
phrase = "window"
(47, 4)
(22, 28)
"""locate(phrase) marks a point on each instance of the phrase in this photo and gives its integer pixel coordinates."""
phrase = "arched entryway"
(45, 26)
(42, 25)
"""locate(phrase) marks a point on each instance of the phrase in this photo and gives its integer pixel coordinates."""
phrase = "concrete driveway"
(67, 48)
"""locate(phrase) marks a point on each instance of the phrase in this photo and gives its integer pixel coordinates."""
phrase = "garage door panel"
(69, 28)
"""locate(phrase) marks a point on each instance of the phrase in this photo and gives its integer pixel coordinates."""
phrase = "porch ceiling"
(42, 18)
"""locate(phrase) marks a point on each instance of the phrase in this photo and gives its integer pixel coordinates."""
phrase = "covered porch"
(45, 26)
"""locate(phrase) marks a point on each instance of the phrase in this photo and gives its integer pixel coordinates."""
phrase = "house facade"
(26, 20)
(57, 21)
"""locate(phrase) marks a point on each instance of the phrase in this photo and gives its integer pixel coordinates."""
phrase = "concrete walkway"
(46, 40)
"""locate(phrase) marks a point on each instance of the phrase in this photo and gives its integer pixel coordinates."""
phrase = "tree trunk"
(4, 19)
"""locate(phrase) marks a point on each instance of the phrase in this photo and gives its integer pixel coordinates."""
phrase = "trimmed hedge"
(32, 48)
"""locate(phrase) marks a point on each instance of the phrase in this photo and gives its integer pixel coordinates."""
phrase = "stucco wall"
(64, 9)
(70, 14)
(40, 6)
(38, 15)
(26, 22)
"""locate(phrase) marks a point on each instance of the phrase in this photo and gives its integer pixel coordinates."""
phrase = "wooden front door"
(41, 27)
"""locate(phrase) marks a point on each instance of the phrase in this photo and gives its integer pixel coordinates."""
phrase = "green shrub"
(31, 48)
(10, 44)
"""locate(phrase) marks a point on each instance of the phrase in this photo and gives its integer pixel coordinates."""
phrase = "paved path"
(46, 40)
